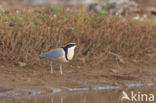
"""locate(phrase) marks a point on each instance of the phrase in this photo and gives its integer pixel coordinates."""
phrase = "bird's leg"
(61, 99)
(61, 69)
(51, 67)
(52, 100)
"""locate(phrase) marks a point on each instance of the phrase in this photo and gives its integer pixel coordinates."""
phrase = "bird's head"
(70, 45)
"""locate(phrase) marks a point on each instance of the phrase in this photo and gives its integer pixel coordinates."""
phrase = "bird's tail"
(42, 55)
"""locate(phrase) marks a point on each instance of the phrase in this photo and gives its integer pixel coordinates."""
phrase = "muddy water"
(102, 96)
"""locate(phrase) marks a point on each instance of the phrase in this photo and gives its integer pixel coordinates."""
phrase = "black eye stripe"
(70, 45)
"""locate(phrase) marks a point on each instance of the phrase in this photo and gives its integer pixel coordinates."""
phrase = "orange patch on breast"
(60, 60)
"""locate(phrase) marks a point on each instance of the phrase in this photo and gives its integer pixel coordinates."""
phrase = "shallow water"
(104, 96)
(95, 94)
(42, 90)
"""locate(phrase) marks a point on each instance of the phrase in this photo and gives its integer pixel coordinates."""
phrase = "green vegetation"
(25, 33)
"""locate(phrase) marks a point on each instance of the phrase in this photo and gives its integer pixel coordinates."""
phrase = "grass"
(25, 33)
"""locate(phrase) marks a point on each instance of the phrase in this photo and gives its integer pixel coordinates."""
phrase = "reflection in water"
(106, 96)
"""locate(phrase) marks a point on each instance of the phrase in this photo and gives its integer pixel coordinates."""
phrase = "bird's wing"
(54, 53)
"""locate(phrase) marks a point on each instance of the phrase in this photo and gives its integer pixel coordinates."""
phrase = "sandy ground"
(16, 77)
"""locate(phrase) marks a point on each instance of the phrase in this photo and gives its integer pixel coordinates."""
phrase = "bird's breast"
(60, 60)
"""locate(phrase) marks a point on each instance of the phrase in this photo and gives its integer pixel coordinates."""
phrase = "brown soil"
(16, 77)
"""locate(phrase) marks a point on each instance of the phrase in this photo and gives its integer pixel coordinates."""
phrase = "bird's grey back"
(53, 53)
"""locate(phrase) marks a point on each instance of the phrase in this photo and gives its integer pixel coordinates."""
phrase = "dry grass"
(24, 34)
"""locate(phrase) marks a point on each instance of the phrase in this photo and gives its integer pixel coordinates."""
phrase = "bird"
(60, 55)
